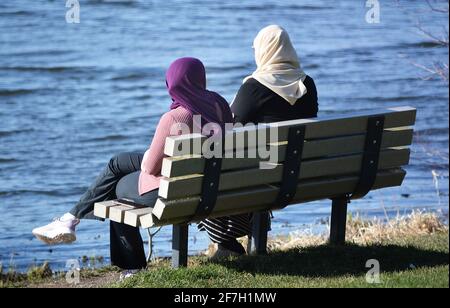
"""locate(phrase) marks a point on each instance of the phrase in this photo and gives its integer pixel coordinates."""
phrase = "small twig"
(150, 242)
(444, 41)
(436, 9)
(438, 69)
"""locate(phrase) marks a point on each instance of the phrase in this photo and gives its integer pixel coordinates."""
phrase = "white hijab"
(278, 66)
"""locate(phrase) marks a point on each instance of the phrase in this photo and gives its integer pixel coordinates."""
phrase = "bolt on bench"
(339, 158)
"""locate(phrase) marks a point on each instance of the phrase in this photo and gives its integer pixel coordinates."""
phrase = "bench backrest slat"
(194, 164)
(258, 198)
(325, 127)
(187, 186)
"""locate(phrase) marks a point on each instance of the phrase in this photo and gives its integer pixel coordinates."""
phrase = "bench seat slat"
(117, 213)
(121, 213)
(187, 186)
(101, 209)
(132, 217)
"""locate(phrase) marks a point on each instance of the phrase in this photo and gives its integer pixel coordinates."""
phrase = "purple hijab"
(186, 82)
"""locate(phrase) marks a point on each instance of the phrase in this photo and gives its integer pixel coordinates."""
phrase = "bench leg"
(338, 221)
(260, 230)
(180, 246)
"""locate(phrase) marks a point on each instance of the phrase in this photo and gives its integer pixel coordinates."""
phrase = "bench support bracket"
(338, 220)
(210, 188)
(180, 245)
(291, 167)
(371, 157)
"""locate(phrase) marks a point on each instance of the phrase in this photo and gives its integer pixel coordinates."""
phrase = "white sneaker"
(60, 231)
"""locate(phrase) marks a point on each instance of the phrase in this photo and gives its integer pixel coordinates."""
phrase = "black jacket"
(255, 103)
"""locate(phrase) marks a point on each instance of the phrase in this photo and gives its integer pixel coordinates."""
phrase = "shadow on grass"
(332, 261)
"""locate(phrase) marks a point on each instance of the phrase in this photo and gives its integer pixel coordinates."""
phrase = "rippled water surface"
(72, 95)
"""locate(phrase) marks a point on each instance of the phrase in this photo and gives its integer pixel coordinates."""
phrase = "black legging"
(119, 180)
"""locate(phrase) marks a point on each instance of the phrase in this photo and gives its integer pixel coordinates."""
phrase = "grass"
(419, 261)
(370, 231)
(412, 250)
(43, 277)
(12, 278)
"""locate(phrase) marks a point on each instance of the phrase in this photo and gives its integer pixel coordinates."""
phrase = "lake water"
(72, 95)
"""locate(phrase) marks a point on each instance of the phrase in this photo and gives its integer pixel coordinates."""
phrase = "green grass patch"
(414, 262)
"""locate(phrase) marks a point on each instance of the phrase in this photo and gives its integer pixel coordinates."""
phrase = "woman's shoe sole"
(58, 240)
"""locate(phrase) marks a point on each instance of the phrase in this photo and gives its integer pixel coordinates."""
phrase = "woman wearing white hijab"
(278, 90)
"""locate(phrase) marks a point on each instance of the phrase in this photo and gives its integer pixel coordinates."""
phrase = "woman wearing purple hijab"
(135, 176)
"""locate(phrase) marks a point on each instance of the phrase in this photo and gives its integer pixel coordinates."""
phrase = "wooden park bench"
(339, 158)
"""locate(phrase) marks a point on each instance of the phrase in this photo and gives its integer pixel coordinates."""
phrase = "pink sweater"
(153, 157)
